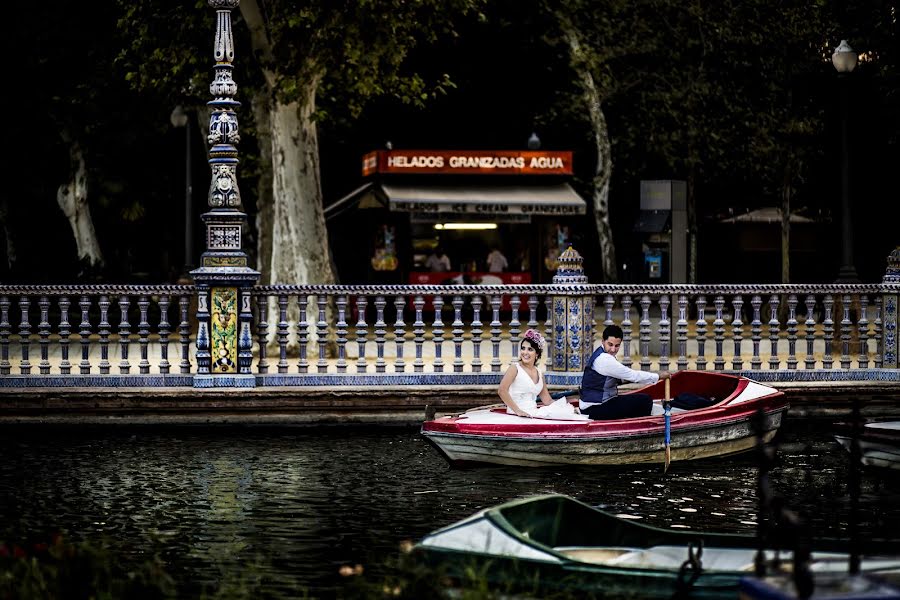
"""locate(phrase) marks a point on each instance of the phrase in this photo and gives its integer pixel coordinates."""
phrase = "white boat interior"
(717, 559)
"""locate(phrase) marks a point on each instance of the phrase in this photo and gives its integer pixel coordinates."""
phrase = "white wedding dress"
(524, 393)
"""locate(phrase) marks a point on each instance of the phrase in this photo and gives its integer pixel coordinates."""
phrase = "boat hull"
(728, 427)
(703, 442)
(548, 544)
(879, 444)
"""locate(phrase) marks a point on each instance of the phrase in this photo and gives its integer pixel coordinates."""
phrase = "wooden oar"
(667, 411)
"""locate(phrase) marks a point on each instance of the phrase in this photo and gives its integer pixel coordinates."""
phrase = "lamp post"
(844, 60)
(179, 118)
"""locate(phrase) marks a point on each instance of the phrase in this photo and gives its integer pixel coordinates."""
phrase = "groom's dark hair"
(612, 331)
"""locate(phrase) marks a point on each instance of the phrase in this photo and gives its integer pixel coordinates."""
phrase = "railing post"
(103, 329)
(756, 332)
(889, 301)
(572, 318)
(477, 331)
(224, 279)
(627, 303)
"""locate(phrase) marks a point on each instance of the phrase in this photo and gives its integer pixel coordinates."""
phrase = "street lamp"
(844, 60)
(179, 118)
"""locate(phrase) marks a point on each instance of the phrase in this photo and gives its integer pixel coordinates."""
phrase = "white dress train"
(525, 392)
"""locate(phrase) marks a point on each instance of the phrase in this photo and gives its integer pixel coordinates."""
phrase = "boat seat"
(662, 557)
(594, 555)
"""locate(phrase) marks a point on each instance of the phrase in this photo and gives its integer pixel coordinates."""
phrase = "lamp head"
(844, 58)
(178, 118)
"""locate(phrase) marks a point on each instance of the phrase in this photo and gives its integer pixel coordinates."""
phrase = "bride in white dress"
(523, 384)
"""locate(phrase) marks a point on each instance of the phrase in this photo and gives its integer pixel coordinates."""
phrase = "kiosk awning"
(557, 199)
(495, 200)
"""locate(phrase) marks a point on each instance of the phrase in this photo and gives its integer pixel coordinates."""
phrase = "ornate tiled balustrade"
(145, 336)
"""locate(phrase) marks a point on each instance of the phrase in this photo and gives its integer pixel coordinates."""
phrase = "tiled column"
(572, 321)
(224, 279)
(889, 299)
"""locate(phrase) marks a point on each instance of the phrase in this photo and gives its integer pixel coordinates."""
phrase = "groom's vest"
(597, 388)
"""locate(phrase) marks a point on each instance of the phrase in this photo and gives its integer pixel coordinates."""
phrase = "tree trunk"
(603, 171)
(299, 237)
(786, 224)
(264, 206)
(7, 236)
(72, 197)
(692, 226)
(292, 239)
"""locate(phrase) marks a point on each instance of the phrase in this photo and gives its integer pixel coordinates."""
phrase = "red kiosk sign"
(468, 162)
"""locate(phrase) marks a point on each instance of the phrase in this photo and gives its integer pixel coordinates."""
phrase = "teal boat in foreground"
(554, 543)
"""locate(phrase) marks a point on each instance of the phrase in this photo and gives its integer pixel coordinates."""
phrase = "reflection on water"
(297, 504)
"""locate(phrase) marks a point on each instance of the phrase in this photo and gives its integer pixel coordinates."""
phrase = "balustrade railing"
(464, 333)
(102, 330)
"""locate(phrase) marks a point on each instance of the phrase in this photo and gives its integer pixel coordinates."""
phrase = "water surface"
(297, 504)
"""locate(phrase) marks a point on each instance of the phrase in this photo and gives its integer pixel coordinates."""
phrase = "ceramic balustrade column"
(792, 332)
(84, 333)
(341, 332)
(737, 332)
(701, 333)
(457, 334)
(164, 331)
(5, 332)
(774, 325)
(828, 329)
(645, 333)
(719, 334)
(380, 334)
(262, 333)
(24, 336)
(437, 334)
(44, 335)
(477, 331)
(664, 327)
(419, 333)
(681, 330)
(862, 325)
(532, 312)
(399, 334)
(65, 367)
(573, 320)
(362, 333)
(495, 332)
(627, 303)
(609, 303)
(756, 332)
(144, 334)
(282, 332)
(303, 332)
(514, 331)
(845, 332)
(104, 329)
(809, 331)
(184, 334)
(321, 300)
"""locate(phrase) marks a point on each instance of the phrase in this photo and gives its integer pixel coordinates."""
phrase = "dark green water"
(297, 504)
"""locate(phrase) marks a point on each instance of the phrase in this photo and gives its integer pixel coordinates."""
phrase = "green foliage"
(61, 570)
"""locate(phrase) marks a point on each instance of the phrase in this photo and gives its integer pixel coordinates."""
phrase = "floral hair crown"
(536, 338)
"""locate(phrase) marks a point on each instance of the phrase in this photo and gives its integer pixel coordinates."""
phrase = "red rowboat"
(489, 435)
